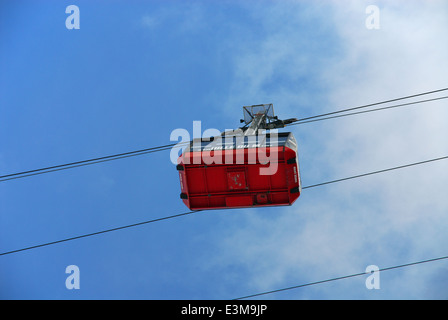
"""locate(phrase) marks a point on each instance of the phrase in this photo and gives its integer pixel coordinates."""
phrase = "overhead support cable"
(376, 172)
(365, 111)
(187, 213)
(98, 232)
(340, 278)
(324, 116)
(76, 164)
(371, 105)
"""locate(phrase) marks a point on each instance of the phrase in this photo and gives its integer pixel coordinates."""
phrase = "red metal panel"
(239, 201)
(236, 185)
(236, 180)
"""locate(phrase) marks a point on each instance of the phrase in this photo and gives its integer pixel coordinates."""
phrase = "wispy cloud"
(184, 17)
(386, 219)
(150, 21)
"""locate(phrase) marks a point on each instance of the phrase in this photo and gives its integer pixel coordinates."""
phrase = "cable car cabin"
(237, 171)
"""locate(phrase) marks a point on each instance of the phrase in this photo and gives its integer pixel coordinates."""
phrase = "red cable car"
(248, 167)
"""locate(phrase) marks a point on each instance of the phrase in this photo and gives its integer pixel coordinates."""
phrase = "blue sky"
(135, 71)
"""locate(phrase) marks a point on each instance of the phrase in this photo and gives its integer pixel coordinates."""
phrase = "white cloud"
(387, 219)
